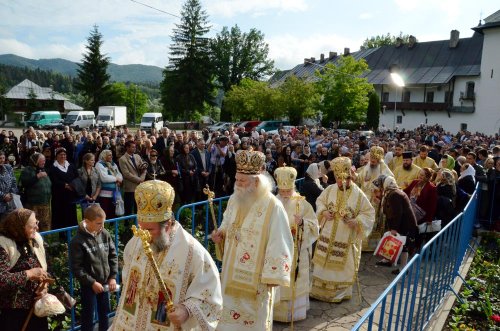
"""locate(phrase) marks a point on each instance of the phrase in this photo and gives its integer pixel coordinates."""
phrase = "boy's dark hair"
(93, 212)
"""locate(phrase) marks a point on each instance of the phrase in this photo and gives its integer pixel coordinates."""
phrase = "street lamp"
(398, 80)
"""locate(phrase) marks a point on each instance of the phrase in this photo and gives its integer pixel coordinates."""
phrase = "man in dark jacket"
(399, 214)
(203, 166)
(95, 264)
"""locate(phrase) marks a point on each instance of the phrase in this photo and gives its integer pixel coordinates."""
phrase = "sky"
(294, 29)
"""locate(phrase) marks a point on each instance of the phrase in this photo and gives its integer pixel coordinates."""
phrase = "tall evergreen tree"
(373, 112)
(92, 72)
(188, 81)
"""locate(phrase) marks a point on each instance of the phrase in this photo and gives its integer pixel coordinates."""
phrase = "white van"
(151, 120)
(79, 119)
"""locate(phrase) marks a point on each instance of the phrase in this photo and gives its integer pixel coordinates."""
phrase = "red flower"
(495, 318)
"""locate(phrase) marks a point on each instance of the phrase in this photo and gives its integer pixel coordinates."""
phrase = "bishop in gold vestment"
(258, 248)
(305, 230)
(187, 270)
(346, 217)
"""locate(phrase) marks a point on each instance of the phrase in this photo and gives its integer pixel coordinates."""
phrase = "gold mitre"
(341, 167)
(154, 200)
(377, 152)
(285, 177)
(249, 162)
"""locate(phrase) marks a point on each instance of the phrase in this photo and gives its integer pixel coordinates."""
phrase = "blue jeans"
(89, 300)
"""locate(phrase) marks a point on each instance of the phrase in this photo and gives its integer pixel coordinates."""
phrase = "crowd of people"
(355, 189)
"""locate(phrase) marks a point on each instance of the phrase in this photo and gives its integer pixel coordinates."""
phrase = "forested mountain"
(135, 73)
(11, 76)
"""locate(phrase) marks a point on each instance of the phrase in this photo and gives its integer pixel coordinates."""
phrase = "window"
(399, 119)
(406, 96)
(430, 97)
(385, 97)
(463, 126)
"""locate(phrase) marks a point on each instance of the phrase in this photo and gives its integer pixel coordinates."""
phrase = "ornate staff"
(146, 238)
(297, 243)
(219, 247)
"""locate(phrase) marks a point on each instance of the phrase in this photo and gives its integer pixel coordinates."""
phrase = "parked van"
(271, 125)
(79, 119)
(41, 118)
(151, 120)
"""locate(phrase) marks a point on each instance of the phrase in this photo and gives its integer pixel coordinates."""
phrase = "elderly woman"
(424, 194)
(37, 188)
(399, 215)
(90, 178)
(111, 180)
(155, 169)
(22, 267)
(8, 185)
(447, 194)
(62, 175)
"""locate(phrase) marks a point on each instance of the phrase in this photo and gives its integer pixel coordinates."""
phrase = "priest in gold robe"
(258, 248)
(397, 158)
(187, 270)
(364, 180)
(346, 218)
(423, 160)
(406, 172)
(292, 303)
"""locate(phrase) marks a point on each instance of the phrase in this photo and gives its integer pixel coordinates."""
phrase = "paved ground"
(343, 316)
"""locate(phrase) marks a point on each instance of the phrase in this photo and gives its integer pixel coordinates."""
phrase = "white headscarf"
(469, 171)
(314, 173)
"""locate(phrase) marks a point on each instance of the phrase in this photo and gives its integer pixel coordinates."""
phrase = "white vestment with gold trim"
(258, 251)
(308, 235)
(338, 249)
(190, 275)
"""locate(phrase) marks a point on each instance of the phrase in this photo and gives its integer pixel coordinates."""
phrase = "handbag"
(48, 305)
(15, 203)
(435, 226)
(417, 210)
(78, 187)
(65, 298)
(119, 204)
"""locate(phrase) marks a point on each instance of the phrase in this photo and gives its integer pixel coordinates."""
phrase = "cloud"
(287, 50)
(230, 8)
(365, 16)
(13, 46)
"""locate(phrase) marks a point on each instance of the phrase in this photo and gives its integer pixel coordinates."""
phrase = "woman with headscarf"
(311, 187)
(399, 215)
(62, 174)
(448, 162)
(447, 193)
(37, 187)
(466, 185)
(111, 180)
(424, 194)
(8, 185)
(22, 267)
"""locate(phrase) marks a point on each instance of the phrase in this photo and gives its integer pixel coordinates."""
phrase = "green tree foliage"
(297, 99)
(130, 96)
(5, 104)
(188, 81)
(11, 76)
(252, 100)
(238, 55)
(383, 40)
(344, 94)
(373, 112)
(93, 79)
(32, 103)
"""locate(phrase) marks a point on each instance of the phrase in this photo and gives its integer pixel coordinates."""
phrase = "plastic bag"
(48, 305)
(435, 226)
(390, 247)
(119, 204)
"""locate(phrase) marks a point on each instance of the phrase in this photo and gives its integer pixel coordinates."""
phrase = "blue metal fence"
(412, 298)
(66, 234)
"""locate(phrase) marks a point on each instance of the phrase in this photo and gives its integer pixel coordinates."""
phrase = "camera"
(217, 141)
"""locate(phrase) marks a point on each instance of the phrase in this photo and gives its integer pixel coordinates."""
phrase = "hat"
(285, 177)
(154, 200)
(341, 167)
(249, 162)
(407, 155)
(60, 150)
(377, 152)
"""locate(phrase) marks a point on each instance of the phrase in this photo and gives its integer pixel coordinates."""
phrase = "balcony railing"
(423, 106)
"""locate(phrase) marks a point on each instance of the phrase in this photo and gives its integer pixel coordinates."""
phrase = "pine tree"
(188, 81)
(373, 111)
(92, 73)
